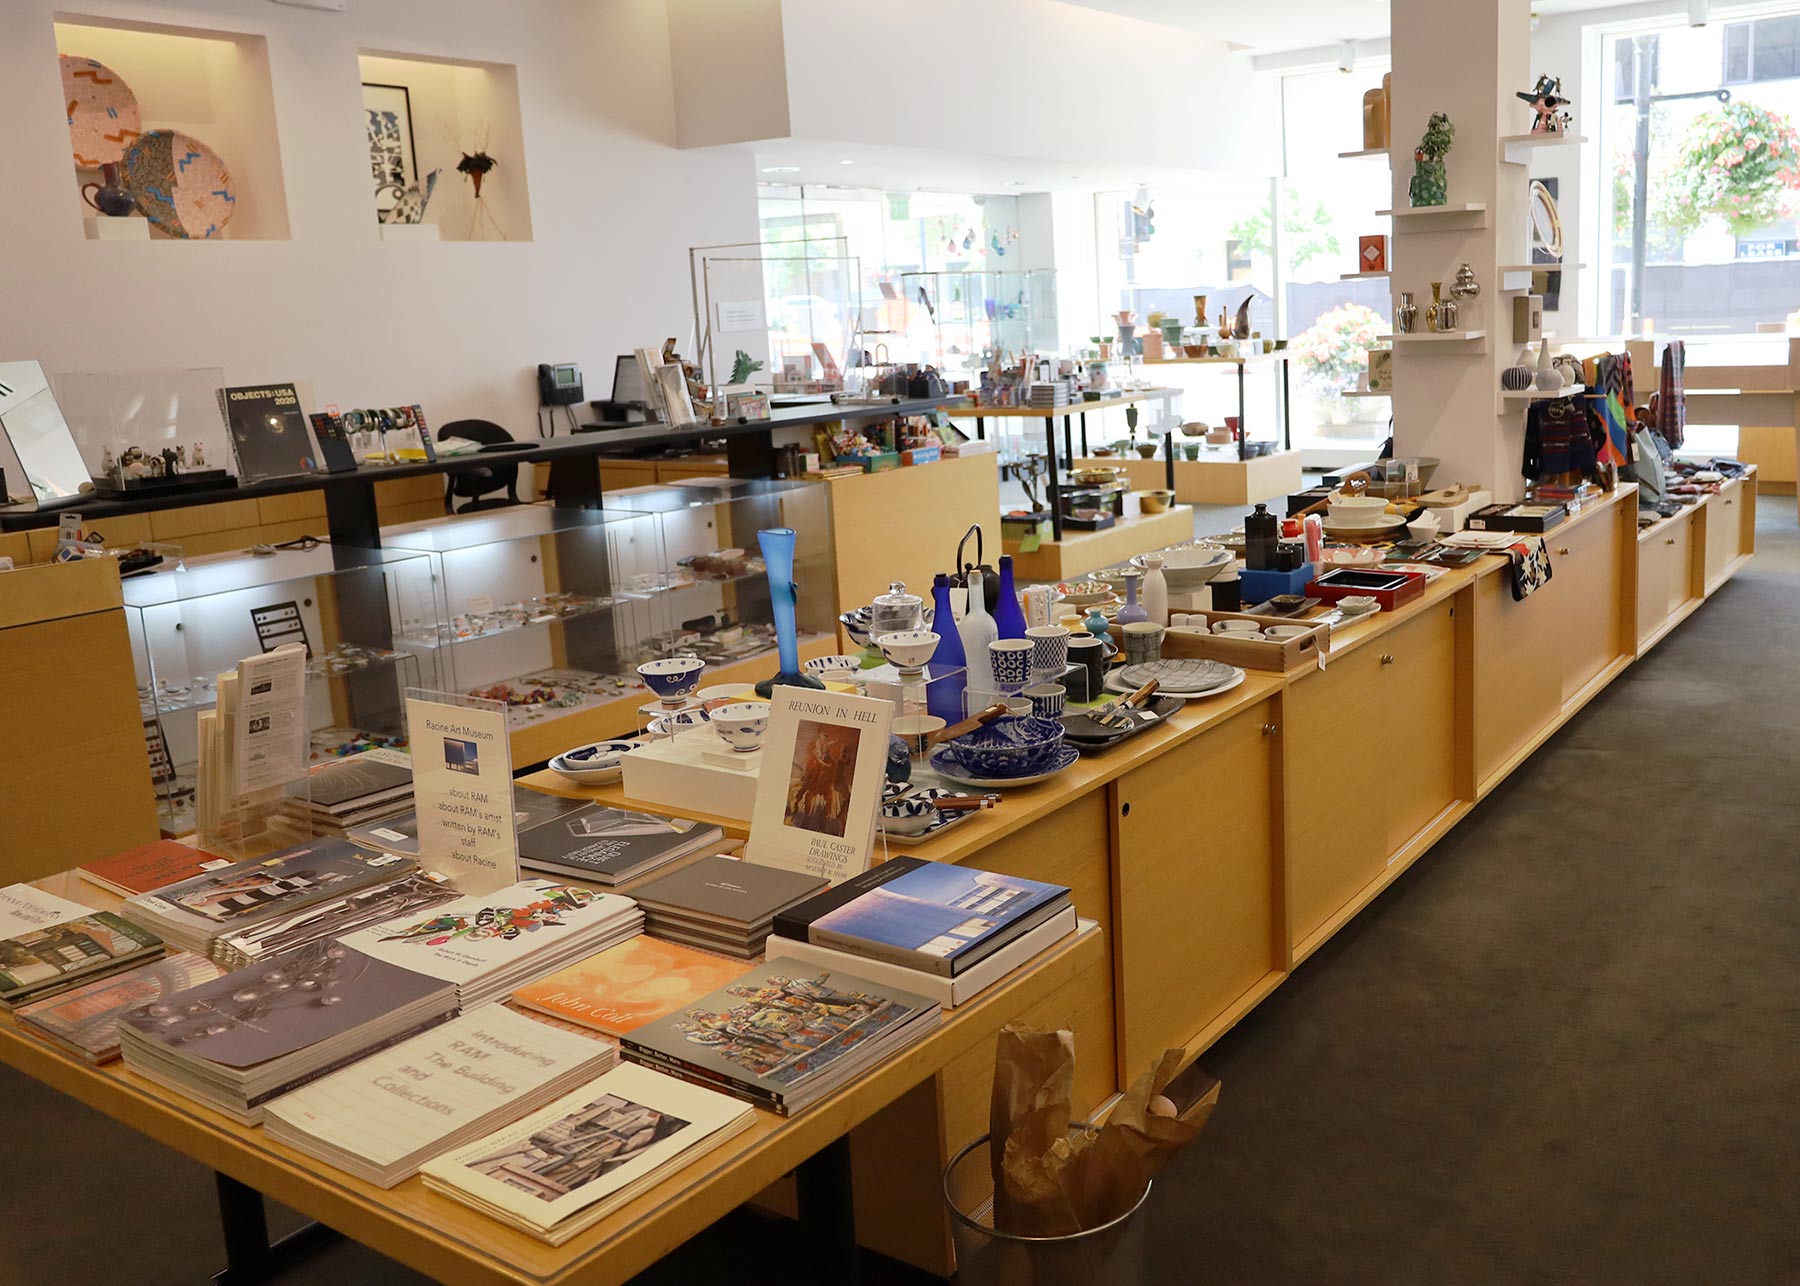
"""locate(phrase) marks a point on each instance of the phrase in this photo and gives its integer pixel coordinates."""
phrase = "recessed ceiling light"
(1012, 183)
(846, 162)
(781, 169)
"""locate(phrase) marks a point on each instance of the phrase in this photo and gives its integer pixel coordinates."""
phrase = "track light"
(1347, 51)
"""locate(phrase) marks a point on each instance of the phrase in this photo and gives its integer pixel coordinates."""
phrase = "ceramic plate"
(595, 764)
(949, 772)
(943, 823)
(103, 112)
(1116, 684)
(1082, 731)
(1176, 677)
(181, 184)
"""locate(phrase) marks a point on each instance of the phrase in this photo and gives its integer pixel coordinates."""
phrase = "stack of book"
(357, 790)
(412, 893)
(399, 833)
(242, 1039)
(721, 904)
(152, 867)
(49, 945)
(610, 845)
(629, 985)
(196, 913)
(381, 1118)
(942, 930)
(1052, 393)
(85, 1021)
(488, 945)
(785, 1034)
(570, 1165)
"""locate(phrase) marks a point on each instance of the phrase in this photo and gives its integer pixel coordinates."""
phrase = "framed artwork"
(393, 161)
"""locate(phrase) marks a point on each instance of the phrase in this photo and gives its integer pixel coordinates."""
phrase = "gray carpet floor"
(1565, 1047)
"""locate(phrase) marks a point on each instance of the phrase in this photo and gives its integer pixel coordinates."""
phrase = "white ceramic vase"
(1549, 379)
(977, 629)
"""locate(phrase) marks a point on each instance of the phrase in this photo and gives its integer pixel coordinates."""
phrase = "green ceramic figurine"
(1430, 181)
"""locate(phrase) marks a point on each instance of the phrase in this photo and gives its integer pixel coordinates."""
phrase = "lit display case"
(957, 320)
(190, 624)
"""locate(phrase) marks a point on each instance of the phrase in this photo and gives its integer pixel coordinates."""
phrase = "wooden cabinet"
(1197, 915)
(1668, 580)
(1730, 529)
(1588, 595)
(1417, 694)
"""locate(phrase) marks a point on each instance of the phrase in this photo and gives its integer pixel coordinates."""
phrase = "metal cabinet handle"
(1669, 541)
(1727, 501)
(1387, 658)
(1562, 551)
(1269, 730)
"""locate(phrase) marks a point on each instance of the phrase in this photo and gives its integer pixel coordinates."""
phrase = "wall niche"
(174, 129)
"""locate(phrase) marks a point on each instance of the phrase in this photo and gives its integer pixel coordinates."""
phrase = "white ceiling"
(900, 169)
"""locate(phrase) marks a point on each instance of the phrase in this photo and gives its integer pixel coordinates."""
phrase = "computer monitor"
(628, 382)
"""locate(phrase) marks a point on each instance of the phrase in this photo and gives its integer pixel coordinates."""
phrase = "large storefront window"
(1699, 231)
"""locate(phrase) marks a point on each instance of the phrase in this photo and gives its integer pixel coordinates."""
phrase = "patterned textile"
(1558, 441)
(1671, 408)
(1530, 566)
(1614, 407)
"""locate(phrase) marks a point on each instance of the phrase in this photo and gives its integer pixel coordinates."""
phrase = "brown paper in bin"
(1049, 1183)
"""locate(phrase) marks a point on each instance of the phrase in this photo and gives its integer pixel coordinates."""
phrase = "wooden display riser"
(1081, 552)
(1218, 478)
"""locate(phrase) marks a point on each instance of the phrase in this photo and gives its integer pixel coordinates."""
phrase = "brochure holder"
(253, 784)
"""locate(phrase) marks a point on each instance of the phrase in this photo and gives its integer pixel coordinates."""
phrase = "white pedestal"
(694, 771)
(128, 228)
(409, 232)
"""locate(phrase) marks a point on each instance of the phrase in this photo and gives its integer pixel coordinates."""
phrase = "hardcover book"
(783, 1034)
(824, 767)
(268, 431)
(355, 779)
(152, 867)
(726, 892)
(629, 985)
(934, 916)
(85, 1019)
(608, 845)
(569, 1165)
(55, 957)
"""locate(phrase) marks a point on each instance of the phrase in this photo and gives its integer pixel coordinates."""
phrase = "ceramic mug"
(1049, 650)
(1143, 642)
(1012, 662)
(1047, 699)
(1089, 652)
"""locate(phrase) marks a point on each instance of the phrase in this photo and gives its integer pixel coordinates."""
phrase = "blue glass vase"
(778, 560)
(1008, 615)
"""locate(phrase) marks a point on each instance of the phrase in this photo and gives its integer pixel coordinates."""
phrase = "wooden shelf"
(1251, 360)
(1517, 149)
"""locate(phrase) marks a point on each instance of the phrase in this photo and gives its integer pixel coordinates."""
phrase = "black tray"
(1080, 730)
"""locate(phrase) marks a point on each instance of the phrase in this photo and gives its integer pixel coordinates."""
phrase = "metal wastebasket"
(1110, 1255)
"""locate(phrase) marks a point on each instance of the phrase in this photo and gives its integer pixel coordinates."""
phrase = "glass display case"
(958, 321)
(717, 596)
(148, 432)
(796, 307)
(190, 624)
(549, 610)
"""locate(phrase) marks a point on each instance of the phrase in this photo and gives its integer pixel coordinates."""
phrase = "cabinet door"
(1683, 583)
(1589, 599)
(1724, 533)
(1418, 707)
(1336, 825)
(1659, 560)
(1518, 683)
(1197, 909)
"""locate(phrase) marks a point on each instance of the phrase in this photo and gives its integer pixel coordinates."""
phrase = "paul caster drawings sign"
(462, 787)
(824, 763)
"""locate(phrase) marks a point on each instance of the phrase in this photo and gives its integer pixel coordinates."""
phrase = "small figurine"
(181, 455)
(108, 465)
(199, 456)
(1546, 99)
(171, 463)
(156, 466)
(1430, 180)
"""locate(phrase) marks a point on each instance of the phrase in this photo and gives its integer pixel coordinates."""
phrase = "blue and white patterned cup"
(1012, 662)
(1049, 651)
(1047, 699)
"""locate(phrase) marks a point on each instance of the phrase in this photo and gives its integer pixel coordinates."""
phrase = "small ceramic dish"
(742, 724)
(908, 649)
(1281, 633)
(1085, 593)
(947, 767)
(668, 725)
(603, 761)
(1358, 605)
(833, 667)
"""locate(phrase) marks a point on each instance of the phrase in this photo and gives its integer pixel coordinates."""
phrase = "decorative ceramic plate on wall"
(180, 183)
(103, 112)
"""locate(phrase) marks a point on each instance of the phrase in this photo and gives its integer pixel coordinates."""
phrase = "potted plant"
(1331, 353)
(1430, 181)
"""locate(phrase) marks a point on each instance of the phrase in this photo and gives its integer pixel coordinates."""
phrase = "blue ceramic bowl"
(673, 677)
(1010, 746)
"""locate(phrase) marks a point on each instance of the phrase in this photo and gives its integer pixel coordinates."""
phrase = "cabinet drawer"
(1197, 915)
(1418, 702)
(1589, 599)
(1336, 829)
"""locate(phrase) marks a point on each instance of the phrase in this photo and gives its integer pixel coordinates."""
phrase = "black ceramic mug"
(1090, 652)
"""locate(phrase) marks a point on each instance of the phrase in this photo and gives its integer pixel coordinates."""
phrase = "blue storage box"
(1260, 587)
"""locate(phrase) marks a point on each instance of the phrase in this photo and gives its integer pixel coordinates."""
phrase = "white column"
(1466, 58)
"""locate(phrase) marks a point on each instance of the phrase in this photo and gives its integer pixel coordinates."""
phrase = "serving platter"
(1116, 683)
(941, 765)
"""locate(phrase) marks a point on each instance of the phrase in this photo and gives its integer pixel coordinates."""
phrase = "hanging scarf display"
(1615, 407)
(1531, 568)
(1671, 402)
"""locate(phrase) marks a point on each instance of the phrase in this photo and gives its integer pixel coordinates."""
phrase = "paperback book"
(23, 907)
(268, 431)
(629, 985)
(610, 845)
(53, 958)
(412, 893)
(784, 1035)
(568, 1166)
(154, 866)
(488, 945)
(380, 1118)
(933, 916)
(85, 1020)
(252, 1035)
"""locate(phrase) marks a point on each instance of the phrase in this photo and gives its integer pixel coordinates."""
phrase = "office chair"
(474, 484)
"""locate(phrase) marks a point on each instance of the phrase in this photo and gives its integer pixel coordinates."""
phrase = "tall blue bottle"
(944, 697)
(1008, 615)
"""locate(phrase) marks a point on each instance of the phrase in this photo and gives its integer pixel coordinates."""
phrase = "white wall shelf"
(1517, 276)
(1367, 151)
(1366, 392)
(1513, 401)
(1435, 337)
(1363, 276)
(1518, 149)
(1437, 211)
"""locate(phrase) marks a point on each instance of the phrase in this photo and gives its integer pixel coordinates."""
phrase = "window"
(1767, 49)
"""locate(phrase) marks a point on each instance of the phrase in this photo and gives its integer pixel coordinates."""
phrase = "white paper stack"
(567, 1167)
(238, 1041)
(488, 945)
(381, 1118)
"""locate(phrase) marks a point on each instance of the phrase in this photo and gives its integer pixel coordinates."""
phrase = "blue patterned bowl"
(1010, 746)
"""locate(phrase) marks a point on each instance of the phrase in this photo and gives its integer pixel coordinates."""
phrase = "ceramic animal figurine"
(1430, 181)
(1546, 101)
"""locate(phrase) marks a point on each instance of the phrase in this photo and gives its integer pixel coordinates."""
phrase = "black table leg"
(1287, 412)
(827, 1211)
(1054, 489)
(1084, 443)
(574, 483)
(751, 455)
(250, 1257)
(1068, 441)
(372, 699)
(1169, 460)
(980, 429)
(1243, 428)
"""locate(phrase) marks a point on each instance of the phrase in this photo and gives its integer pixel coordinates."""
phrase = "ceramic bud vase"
(978, 630)
(1156, 591)
(1097, 624)
(778, 559)
(1009, 617)
(110, 196)
(1517, 377)
(1131, 611)
(1406, 316)
(1549, 379)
